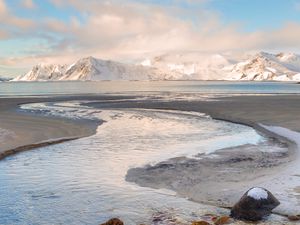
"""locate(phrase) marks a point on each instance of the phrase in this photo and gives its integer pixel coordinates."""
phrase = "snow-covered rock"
(255, 204)
(257, 193)
(43, 72)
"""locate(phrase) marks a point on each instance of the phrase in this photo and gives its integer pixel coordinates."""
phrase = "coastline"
(160, 175)
(30, 130)
(220, 110)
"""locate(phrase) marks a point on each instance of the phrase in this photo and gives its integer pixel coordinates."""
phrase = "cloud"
(286, 36)
(3, 8)
(128, 30)
(28, 4)
(112, 30)
(11, 24)
(3, 35)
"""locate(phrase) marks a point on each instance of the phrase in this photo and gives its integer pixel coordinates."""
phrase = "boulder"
(254, 205)
(222, 220)
(200, 223)
(294, 217)
(113, 221)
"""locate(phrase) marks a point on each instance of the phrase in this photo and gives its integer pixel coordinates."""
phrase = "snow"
(258, 193)
(176, 66)
(146, 62)
(96, 69)
(282, 78)
(285, 183)
(181, 68)
(273, 70)
(296, 77)
(284, 132)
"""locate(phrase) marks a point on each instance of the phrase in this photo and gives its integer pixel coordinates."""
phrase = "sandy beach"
(25, 130)
(29, 130)
(205, 179)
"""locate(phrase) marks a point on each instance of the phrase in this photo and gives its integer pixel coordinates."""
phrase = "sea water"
(203, 87)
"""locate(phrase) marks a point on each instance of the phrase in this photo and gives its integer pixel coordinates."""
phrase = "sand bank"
(28, 130)
(23, 131)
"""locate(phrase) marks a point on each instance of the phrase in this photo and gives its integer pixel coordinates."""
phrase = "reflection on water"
(83, 181)
(205, 87)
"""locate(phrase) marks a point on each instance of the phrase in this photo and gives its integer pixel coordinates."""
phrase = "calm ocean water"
(207, 87)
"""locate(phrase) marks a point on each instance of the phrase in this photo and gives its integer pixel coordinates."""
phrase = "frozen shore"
(217, 180)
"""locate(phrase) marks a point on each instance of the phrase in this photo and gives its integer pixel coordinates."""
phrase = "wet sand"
(29, 130)
(26, 130)
(222, 179)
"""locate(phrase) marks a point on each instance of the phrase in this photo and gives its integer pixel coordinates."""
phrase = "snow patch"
(258, 193)
(146, 62)
(284, 132)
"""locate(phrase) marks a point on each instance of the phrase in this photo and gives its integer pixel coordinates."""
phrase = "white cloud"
(112, 30)
(124, 30)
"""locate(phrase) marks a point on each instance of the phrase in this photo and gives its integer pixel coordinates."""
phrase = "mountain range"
(259, 66)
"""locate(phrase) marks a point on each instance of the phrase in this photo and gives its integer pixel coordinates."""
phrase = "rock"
(254, 205)
(222, 220)
(113, 221)
(200, 223)
(294, 218)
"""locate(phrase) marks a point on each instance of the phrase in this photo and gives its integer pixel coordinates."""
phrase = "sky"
(62, 31)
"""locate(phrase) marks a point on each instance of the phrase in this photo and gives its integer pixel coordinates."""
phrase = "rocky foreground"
(254, 206)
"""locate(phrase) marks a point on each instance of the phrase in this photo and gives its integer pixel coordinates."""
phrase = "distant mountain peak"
(176, 66)
(90, 68)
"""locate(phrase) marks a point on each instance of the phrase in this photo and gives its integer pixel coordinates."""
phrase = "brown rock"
(200, 223)
(294, 218)
(222, 220)
(113, 221)
(254, 205)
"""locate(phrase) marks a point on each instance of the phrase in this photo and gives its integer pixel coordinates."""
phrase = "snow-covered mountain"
(260, 66)
(177, 66)
(193, 65)
(265, 66)
(43, 72)
(94, 69)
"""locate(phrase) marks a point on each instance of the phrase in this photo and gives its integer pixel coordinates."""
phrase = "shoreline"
(30, 130)
(152, 104)
(32, 146)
